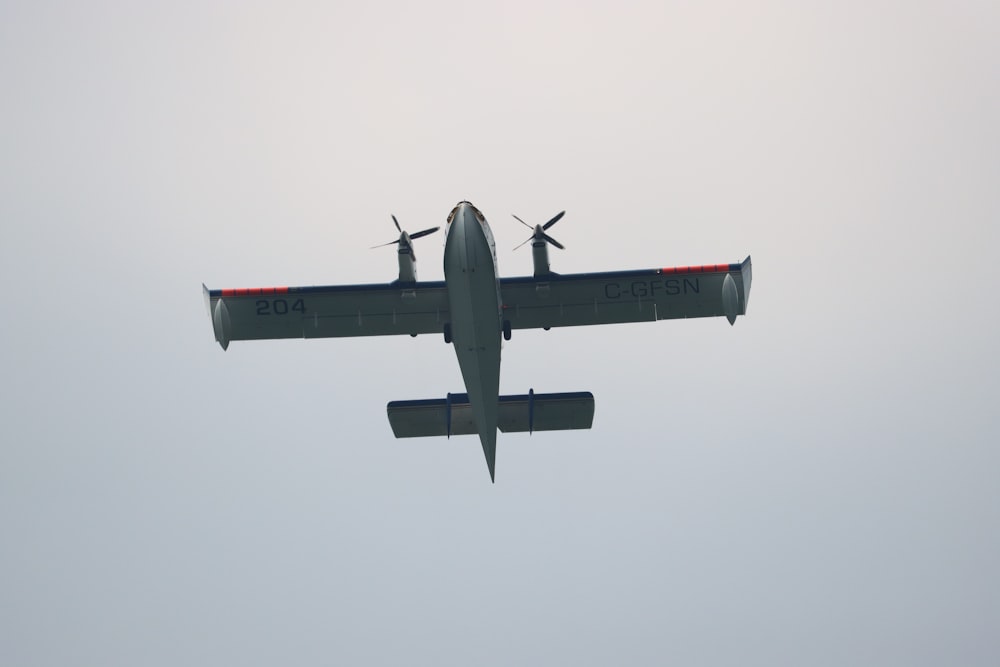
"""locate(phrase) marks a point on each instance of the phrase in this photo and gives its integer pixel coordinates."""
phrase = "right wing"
(331, 311)
(557, 300)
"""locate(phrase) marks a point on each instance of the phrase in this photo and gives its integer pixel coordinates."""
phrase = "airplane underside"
(473, 309)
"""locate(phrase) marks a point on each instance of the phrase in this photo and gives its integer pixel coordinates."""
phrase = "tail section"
(517, 414)
(520, 413)
(489, 442)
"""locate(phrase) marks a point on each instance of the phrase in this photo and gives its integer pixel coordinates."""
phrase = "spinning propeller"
(404, 238)
(540, 234)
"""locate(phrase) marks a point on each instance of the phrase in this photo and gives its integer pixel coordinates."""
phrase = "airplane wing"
(556, 300)
(331, 311)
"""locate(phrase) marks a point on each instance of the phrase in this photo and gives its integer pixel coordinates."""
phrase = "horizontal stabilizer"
(517, 414)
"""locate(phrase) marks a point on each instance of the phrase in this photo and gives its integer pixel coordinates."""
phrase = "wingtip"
(207, 297)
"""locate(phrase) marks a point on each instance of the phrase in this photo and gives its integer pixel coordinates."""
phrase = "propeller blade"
(398, 228)
(539, 230)
(424, 232)
(553, 241)
(523, 223)
(382, 245)
(530, 238)
(554, 220)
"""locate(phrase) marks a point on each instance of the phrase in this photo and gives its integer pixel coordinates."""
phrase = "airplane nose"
(464, 232)
(458, 213)
(464, 214)
(470, 212)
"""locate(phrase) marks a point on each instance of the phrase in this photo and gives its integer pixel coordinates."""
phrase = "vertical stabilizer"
(489, 440)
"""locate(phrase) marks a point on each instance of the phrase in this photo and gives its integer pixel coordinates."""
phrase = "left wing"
(331, 311)
(556, 300)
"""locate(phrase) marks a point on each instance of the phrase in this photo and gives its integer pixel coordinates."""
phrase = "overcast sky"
(817, 485)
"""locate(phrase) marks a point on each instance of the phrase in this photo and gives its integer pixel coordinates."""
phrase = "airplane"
(472, 309)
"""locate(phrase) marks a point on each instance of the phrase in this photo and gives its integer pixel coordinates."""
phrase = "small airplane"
(472, 308)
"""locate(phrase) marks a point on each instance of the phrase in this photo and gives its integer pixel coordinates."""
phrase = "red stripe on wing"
(700, 268)
(254, 291)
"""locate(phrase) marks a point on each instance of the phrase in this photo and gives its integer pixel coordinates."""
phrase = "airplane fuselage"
(470, 272)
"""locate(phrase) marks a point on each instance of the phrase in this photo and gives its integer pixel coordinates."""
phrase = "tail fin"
(489, 442)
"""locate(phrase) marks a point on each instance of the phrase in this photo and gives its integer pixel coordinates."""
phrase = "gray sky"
(816, 485)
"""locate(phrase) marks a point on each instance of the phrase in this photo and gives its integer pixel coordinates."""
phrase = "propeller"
(539, 231)
(404, 239)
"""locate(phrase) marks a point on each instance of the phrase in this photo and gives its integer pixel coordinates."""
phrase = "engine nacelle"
(540, 242)
(404, 251)
(540, 257)
(407, 265)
